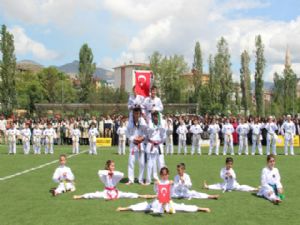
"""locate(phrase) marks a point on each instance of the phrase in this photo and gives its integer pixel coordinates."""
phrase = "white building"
(124, 77)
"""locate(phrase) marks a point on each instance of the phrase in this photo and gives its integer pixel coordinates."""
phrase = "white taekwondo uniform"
(196, 130)
(76, 134)
(269, 178)
(110, 192)
(181, 188)
(49, 135)
(93, 133)
(227, 130)
(256, 137)
(156, 136)
(182, 131)
(213, 130)
(136, 152)
(64, 176)
(230, 183)
(288, 129)
(271, 137)
(243, 130)
(122, 140)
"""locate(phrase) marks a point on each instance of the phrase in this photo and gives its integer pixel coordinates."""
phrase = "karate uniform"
(76, 134)
(196, 130)
(230, 183)
(213, 130)
(49, 137)
(136, 152)
(182, 131)
(181, 189)
(271, 137)
(159, 208)
(122, 140)
(256, 138)
(152, 103)
(61, 175)
(36, 139)
(169, 139)
(269, 177)
(93, 133)
(110, 191)
(289, 131)
(12, 134)
(156, 135)
(243, 130)
(26, 134)
(227, 130)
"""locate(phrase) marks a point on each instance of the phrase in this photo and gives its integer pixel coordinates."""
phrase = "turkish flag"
(143, 82)
(164, 193)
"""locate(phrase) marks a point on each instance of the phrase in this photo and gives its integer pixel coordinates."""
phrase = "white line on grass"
(36, 168)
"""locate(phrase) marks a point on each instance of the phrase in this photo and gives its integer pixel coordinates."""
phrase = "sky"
(51, 32)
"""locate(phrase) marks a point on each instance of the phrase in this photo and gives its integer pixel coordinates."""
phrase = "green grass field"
(25, 199)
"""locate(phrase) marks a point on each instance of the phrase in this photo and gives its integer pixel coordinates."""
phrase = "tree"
(30, 91)
(197, 74)
(155, 61)
(289, 93)
(223, 73)
(246, 82)
(86, 70)
(259, 71)
(50, 79)
(7, 72)
(169, 70)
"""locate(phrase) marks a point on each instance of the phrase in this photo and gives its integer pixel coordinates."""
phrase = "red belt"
(109, 195)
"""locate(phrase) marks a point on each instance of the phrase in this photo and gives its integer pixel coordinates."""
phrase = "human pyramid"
(147, 133)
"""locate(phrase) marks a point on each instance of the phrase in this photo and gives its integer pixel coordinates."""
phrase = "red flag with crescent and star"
(143, 82)
(164, 193)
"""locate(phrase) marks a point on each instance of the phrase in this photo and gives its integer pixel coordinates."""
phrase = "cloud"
(177, 29)
(25, 45)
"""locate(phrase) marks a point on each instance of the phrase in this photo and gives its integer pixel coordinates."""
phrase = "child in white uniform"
(64, 176)
(227, 131)
(49, 134)
(110, 178)
(182, 131)
(75, 134)
(183, 184)
(36, 139)
(256, 136)
(288, 130)
(12, 134)
(169, 138)
(93, 133)
(26, 134)
(122, 138)
(156, 135)
(271, 187)
(159, 208)
(136, 133)
(213, 130)
(196, 130)
(229, 177)
(243, 130)
(271, 127)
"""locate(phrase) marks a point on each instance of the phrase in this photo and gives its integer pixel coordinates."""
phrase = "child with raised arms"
(183, 184)
(230, 183)
(110, 178)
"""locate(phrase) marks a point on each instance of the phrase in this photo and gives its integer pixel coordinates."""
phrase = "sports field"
(25, 199)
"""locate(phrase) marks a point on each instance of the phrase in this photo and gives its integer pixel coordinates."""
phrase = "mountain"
(29, 65)
(72, 69)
